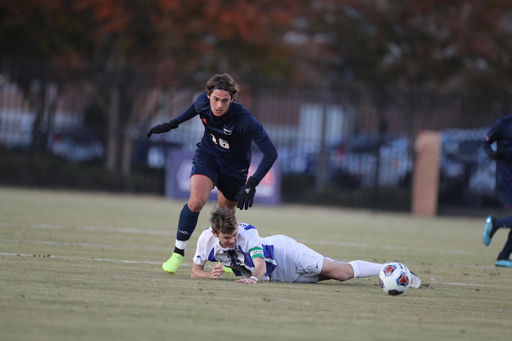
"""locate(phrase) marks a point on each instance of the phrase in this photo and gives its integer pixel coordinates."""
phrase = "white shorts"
(295, 261)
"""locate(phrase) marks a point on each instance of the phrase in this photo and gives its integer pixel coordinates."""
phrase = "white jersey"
(286, 259)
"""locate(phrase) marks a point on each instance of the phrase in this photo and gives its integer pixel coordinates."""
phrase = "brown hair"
(222, 82)
(223, 220)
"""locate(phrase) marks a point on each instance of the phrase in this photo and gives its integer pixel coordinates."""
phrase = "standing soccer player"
(501, 133)
(222, 157)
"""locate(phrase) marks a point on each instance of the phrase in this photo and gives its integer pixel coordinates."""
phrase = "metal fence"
(342, 144)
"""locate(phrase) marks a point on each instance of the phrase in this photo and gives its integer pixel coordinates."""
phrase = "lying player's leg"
(354, 269)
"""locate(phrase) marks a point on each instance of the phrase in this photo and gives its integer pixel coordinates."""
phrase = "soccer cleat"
(489, 230)
(226, 269)
(415, 281)
(173, 263)
(506, 263)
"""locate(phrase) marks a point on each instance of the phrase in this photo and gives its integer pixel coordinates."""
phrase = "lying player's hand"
(249, 280)
(217, 271)
(162, 128)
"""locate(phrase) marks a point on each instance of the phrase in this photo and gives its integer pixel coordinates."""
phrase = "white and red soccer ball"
(394, 278)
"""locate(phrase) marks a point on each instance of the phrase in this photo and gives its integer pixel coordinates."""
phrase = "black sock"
(186, 226)
(503, 222)
(507, 249)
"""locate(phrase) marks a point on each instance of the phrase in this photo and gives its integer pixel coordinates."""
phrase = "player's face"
(219, 102)
(227, 240)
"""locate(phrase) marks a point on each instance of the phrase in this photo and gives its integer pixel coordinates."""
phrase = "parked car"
(467, 175)
(355, 162)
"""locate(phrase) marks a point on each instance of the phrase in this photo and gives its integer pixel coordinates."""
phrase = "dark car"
(356, 161)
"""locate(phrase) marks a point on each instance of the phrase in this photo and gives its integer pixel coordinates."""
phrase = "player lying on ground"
(276, 258)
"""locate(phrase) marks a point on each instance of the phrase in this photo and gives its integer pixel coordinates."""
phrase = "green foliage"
(428, 44)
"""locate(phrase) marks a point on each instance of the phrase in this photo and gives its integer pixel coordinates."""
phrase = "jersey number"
(220, 142)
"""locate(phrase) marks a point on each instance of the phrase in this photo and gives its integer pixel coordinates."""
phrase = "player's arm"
(198, 271)
(260, 137)
(201, 257)
(260, 268)
(269, 151)
(174, 123)
(258, 259)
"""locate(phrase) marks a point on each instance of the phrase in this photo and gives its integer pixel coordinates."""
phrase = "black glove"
(498, 155)
(162, 128)
(246, 195)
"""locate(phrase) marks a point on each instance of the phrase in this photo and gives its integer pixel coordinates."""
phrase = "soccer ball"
(394, 278)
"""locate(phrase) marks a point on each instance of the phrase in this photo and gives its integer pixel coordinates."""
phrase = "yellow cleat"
(173, 263)
(226, 269)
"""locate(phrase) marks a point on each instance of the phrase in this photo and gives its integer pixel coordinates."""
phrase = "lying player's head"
(223, 220)
(222, 82)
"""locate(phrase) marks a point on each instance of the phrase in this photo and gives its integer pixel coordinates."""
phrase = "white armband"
(254, 277)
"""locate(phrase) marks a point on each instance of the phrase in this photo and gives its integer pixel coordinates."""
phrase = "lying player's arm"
(199, 271)
(260, 268)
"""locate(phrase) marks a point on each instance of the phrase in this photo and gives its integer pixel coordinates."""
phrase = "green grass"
(87, 266)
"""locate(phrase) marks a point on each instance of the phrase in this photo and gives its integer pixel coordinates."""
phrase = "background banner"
(177, 178)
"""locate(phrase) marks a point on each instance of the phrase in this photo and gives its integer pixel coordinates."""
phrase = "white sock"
(365, 269)
(181, 244)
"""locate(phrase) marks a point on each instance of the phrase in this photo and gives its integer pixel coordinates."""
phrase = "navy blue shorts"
(228, 185)
(506, 198)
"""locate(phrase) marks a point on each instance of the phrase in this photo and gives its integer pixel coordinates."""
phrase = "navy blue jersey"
(229, 137)
(501, 133)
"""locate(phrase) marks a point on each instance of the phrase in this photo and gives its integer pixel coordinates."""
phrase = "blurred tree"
(125, 44)
(125, 47)
(431, 44)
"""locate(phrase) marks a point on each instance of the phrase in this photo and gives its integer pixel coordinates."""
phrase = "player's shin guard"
(186, 226)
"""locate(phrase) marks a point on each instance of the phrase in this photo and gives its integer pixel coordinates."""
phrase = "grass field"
(87, 266)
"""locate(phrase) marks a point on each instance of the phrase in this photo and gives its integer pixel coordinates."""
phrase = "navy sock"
(187, 223)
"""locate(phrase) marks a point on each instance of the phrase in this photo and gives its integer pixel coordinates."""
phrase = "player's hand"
(249, 280)
(498, 154)
(217, 271)
(245, 197)
(162, 128)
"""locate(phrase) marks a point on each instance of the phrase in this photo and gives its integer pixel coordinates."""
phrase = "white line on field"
(84, 258)
(187, 265)
(18, 241)
(383, 246)
(93, 228)
(474, 285)
(172, 233)
(83, 244)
